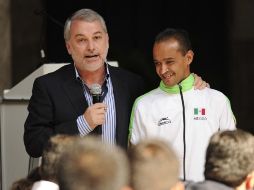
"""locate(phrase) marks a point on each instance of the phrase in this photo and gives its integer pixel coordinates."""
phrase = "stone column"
(5, 46)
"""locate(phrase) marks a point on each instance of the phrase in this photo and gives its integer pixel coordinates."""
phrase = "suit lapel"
(74, 90)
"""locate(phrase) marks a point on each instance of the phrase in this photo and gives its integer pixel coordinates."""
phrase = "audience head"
(27, 183)
(90, 164)
(230, 158)
(154, 166)
(51, 155)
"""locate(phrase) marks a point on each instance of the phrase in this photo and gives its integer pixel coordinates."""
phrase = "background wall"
(133, 25)
(222, 33)
(241, 62)
(27, 31)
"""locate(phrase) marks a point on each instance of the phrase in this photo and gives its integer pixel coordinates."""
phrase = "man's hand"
(95, 114)
(199, 83)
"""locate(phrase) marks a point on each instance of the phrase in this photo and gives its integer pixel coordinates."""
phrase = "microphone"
(96, 92)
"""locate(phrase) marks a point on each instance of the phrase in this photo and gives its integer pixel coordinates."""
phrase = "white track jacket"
(159, 113)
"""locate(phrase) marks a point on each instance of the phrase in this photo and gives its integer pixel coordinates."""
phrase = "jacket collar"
(186, 84)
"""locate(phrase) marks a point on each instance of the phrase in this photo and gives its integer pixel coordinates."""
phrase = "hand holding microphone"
(95, 114)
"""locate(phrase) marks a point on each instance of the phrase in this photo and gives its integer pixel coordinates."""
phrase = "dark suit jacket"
(58, 99)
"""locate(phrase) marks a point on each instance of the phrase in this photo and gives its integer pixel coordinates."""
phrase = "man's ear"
(68, 47)
(189, 56)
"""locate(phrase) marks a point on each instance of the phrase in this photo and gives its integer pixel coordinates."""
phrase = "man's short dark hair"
(229, 157)
(180, 35)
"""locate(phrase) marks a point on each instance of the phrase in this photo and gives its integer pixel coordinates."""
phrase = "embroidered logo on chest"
(164, 121)
(199, 114)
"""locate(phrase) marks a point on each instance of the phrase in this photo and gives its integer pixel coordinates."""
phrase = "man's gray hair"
(87, 15)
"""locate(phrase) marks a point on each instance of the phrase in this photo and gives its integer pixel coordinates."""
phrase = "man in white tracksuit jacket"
(184, 117)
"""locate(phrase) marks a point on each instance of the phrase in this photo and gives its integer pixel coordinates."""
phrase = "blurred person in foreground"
(27, 182)
(229, 162)
(154, 166)
(50, 159)
(90, 164)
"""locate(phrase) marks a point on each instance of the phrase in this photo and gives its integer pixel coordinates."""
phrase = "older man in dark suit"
(61, 101)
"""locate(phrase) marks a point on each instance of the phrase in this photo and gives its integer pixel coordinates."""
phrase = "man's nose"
(164, 68)
(91, 45)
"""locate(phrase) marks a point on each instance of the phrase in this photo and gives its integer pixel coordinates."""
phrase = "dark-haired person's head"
(230, 159)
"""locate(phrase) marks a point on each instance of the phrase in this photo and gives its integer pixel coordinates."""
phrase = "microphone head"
(95, 89)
